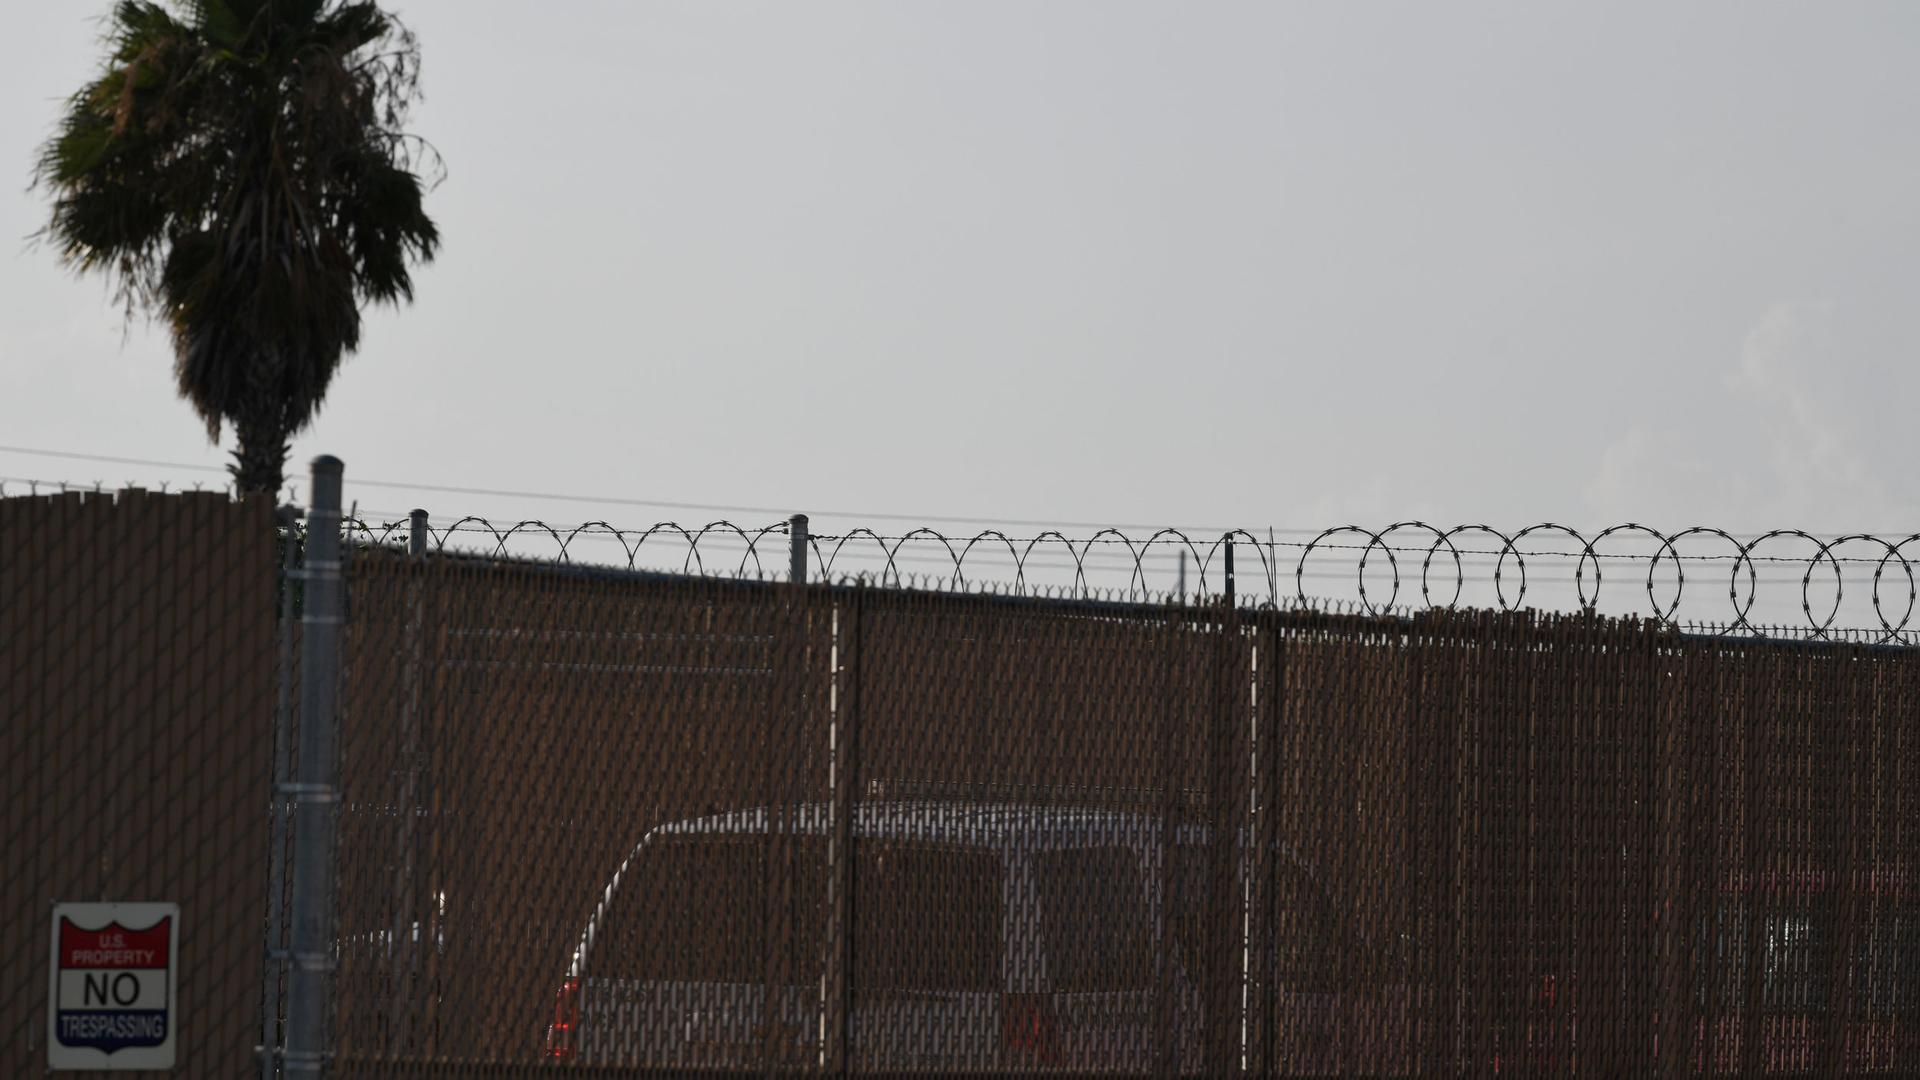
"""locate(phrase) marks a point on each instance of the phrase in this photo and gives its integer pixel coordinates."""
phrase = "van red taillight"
(1027, 1029)
(566, 1014)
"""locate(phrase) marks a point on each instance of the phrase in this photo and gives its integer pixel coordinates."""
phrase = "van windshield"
(707, 909)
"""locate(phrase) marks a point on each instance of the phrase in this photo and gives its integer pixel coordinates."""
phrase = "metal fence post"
(1229, 576)
(844, 737)
(797, 543)
(409, 923)
(313, 794)
(276, 963)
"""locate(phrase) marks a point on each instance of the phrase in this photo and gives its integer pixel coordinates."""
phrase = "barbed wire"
(30, 487)
(1404, 567)
(498, 540)
(1742, 561)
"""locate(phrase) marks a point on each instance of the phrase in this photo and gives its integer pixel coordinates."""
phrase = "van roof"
(988, 826)
(996, 826)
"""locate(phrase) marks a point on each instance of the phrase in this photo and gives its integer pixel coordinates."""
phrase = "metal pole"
(1273, 571)
(413, 930)
(313, 794)
(797, 541)
(844, 738)
(277, 830)
(1229, 543)
(1180, 585)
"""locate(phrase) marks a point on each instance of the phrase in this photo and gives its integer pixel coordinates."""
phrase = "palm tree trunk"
(260, 459)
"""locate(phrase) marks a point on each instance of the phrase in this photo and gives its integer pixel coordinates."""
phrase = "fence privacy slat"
(136, 704)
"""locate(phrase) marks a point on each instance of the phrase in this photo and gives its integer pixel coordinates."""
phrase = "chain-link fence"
(607, 821)
(594, 821)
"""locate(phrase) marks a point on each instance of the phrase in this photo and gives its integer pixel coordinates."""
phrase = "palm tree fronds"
(242, 169)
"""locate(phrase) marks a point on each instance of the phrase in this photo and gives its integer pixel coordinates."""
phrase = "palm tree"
(240, 169)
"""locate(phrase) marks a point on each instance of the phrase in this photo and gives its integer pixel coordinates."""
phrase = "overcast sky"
(1267, 264)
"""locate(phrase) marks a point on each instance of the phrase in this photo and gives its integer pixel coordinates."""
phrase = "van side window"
(1794, 952)
(926, 918)
(1795, 947)
(1889, 958)
(1720, 949)
(1093, 915)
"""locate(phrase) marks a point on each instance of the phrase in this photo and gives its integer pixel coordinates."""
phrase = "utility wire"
(731, 508)
(450, 489)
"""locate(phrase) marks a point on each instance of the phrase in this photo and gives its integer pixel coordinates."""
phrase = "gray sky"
(1262, 264)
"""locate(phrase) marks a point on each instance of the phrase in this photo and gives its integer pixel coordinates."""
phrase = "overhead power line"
(850, 515)
(611, 500)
